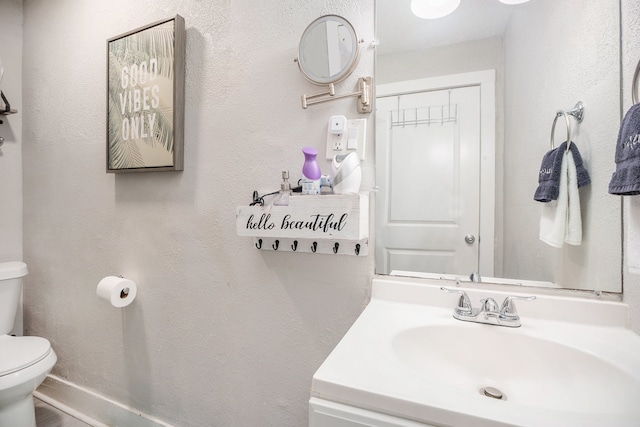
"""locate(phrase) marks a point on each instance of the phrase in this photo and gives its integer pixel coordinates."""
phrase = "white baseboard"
(91, 407)
(68, 410)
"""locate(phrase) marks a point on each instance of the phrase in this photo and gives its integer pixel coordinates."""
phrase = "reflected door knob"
(469, 238)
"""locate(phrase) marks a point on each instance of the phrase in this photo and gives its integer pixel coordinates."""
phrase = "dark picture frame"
(145, 98)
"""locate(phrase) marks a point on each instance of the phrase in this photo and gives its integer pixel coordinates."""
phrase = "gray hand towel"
(583, 175)
(549, 176)
(626, 179)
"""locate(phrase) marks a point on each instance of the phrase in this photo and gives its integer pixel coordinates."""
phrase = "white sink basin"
(573, 362)
(526, 369)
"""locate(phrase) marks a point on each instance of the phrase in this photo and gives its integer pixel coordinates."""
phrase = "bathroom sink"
(573, 362)
(529, 370)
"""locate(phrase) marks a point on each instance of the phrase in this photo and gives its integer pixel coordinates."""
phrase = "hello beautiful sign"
(308, 216)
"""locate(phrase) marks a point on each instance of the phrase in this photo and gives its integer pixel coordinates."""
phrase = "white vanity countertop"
(375, 368)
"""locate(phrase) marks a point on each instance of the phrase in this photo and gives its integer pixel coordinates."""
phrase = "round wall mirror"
(328, 50)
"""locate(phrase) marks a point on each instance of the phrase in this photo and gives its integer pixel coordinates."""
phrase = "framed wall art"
(145, 98)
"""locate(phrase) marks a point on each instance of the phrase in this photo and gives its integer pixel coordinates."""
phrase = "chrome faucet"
(488, 313)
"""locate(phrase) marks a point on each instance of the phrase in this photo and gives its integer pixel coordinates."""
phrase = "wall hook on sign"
(298, 245)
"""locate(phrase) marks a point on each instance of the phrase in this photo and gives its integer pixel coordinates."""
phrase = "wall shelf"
(328, 224)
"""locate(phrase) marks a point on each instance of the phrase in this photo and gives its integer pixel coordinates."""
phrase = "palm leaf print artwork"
(141, 76)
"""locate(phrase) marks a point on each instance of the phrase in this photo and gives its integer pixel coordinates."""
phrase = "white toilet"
(24, 361)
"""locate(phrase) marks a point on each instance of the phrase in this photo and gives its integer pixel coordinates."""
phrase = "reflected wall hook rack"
(363, 94)
(426, 115)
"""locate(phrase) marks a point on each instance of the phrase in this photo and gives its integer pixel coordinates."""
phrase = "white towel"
(553, 220)
(573, 232)
(561, 220)
(632, 233)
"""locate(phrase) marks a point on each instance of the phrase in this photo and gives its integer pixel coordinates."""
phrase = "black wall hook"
(275, 245)
(259, 244)
(294, 246)
(314, 247)
(357, 248)
(335, 247)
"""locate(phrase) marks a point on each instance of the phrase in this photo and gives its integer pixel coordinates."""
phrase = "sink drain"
(493, 393)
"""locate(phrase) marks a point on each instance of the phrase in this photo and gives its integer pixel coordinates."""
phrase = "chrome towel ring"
(634, 86)
(577, 112)
(553, 128)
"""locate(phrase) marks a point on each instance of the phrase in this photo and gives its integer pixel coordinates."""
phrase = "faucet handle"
(508, 309)
(464, 303)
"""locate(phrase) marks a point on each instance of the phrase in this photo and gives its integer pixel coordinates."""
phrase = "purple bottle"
(311, 171)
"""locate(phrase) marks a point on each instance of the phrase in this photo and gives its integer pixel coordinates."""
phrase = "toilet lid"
(17, 353)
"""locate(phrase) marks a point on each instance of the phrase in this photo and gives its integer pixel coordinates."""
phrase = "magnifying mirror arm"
(306, 98)
(365, 85)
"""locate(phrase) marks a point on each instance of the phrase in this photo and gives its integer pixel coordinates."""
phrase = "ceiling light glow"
(433, 9)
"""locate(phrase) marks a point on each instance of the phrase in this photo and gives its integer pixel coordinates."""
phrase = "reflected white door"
(428, 172)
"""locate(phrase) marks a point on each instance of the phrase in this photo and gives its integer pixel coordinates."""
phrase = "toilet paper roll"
(117, 291)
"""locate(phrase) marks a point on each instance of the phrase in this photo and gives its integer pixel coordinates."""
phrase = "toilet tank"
(11, 274)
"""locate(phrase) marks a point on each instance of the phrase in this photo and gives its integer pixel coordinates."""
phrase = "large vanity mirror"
(464, 110)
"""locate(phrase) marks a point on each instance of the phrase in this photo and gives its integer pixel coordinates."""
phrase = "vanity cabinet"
(325, 413)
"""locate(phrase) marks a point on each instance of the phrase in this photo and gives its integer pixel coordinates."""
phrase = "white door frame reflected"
(486, 81)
